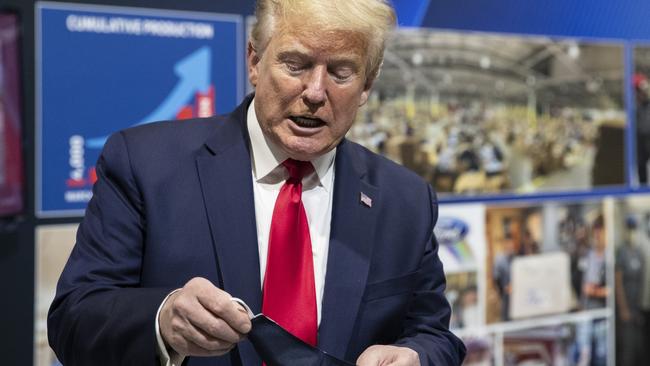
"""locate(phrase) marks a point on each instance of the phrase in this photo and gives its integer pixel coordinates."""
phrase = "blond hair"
(368, 20)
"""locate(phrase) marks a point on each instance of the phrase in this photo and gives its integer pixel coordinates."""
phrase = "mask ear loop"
(243, 304)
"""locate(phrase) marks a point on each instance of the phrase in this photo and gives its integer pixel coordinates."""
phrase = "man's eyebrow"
(291, 53)
(344, 62)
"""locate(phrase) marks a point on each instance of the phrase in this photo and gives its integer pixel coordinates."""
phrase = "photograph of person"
(641, 88)
(576, 229)
(462, 294)
(630, 268)
(477, 113)
(509, 235)
(632, 279)
(581, 233)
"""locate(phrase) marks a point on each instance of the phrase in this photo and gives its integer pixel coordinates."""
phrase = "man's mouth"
(307, 122)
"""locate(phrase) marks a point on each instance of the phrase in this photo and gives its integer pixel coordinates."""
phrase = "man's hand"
(201, 320)
(388, 355)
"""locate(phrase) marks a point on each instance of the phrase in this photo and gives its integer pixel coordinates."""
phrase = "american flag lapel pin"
(365, 199)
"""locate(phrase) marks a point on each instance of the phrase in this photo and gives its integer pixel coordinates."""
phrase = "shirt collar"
(267, 156)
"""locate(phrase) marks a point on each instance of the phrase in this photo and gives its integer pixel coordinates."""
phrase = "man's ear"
(252, 61)
(366, 90)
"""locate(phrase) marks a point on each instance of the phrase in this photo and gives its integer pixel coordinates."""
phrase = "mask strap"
(243, 304)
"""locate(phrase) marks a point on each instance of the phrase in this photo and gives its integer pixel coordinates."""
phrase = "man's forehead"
(329, 44)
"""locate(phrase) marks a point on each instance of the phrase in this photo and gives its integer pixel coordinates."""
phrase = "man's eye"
(342, 75)
(293, 66)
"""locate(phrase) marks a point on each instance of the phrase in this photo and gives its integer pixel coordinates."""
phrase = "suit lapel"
(350, 250)
(224, 169)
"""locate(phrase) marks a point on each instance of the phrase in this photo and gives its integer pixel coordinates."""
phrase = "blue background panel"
(93, 83)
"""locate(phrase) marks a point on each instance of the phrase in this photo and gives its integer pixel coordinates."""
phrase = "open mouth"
(307, 122)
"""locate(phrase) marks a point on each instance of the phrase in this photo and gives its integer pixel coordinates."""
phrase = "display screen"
(482, 114)
(11, 162)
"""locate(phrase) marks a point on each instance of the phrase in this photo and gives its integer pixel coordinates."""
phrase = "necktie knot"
(297, 169)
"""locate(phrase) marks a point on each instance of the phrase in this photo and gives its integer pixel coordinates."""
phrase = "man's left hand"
(388, 356)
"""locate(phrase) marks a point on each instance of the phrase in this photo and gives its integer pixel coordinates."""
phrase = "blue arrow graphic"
(194, 75)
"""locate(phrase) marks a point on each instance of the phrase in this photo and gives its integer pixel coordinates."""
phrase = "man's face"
(599, 238)
(308, 89)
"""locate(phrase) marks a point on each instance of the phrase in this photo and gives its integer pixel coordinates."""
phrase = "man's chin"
(304, 153)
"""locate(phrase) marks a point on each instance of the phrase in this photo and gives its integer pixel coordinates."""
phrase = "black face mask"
(277, 347)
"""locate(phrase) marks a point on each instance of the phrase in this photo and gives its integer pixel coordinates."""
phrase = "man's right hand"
(201, 320)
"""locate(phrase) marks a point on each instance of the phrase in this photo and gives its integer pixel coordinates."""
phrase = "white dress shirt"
(268, 176)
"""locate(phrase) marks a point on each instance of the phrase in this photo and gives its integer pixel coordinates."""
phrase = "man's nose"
(315, 88)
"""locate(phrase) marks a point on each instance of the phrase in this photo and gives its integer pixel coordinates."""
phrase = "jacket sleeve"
(426, 326)
(101, 315)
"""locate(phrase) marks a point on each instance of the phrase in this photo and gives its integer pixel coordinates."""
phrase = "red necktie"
(289, 289)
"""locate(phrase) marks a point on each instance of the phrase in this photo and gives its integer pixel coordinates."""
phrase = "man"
(642, 126)
(628, 284)
(193, 206)
(594, 288)
(592, 334)
(501, 273)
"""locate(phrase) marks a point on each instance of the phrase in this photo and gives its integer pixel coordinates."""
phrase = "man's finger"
(192, 328)
(219, 304)
(182, 343)
(370, 357)
(187, 333)
(379, 355)
(214, 327)
(206, 341)
(399, 361)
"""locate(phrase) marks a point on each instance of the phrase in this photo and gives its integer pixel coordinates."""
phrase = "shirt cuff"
(167, 357)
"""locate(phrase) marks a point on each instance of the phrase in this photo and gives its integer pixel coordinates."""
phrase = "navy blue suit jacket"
(174, 201)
